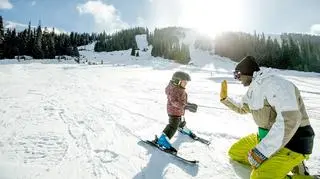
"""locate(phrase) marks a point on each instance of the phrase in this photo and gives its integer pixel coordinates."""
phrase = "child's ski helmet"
(180, 75)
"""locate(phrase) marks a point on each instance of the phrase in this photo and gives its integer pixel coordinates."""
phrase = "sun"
(212, 16)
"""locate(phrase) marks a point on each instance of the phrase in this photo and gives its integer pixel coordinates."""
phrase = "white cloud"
(5, 4)
(106, 17)
(33, 3)
(315, 29)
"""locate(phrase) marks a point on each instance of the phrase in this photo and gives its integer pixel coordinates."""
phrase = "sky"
(206, 16)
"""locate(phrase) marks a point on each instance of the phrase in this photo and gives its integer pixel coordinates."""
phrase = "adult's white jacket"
(276, 106)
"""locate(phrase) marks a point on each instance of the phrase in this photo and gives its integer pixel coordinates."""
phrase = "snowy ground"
(82, 122)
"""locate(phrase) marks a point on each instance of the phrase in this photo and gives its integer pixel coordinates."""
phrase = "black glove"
(191, 107)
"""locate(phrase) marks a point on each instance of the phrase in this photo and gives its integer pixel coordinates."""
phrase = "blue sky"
(207, 16)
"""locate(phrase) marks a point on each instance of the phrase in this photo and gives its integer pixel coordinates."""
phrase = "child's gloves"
(256, 158)
(224, 90)
(191, 107)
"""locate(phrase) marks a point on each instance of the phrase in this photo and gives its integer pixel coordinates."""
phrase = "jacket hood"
(258, 76)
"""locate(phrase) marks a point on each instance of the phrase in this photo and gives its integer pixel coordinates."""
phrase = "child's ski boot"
(165, 144)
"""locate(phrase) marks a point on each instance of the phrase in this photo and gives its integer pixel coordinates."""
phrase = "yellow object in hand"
(224, 90)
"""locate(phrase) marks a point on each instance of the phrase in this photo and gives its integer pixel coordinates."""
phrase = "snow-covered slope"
(142, 41)
(42, 61)
(81, 121)
(199, 59)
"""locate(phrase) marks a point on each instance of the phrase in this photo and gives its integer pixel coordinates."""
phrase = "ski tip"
(195, 162)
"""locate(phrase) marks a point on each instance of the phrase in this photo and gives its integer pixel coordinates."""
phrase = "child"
(176, 105)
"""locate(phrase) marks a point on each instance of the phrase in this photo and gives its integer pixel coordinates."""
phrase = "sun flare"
(212, 16)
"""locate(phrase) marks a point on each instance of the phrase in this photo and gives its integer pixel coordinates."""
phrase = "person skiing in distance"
(285, 136)
(177, 103)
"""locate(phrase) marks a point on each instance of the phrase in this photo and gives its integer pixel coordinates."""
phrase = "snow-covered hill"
(85, 121)
(21, 27)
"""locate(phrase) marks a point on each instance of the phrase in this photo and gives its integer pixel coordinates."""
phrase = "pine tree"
(51, 45)
(22, 42)
(1, 39)
(133, 51)
(276, 54)
(1, 28)
(68, 49)
(45, 43)
(10, 44)
(30, 41)
(7, 44)
(37, 46)
(295, 59)
(75, 52)
(285, 56)
(14, 44)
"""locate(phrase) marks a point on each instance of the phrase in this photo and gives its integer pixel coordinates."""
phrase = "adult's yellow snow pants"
(276, 167)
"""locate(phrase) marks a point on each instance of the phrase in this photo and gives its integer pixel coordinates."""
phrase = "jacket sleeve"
(282, 96)
(241, 108)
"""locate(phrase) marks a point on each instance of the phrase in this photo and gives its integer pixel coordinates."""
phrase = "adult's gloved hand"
(256, 158)
(191, 107)
(224, 90)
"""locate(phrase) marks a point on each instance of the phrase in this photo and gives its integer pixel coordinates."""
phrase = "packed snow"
(85, 121)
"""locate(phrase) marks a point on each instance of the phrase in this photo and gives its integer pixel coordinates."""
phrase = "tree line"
(121, 40)
(40, 43)
(166, 43)
(286, 51)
